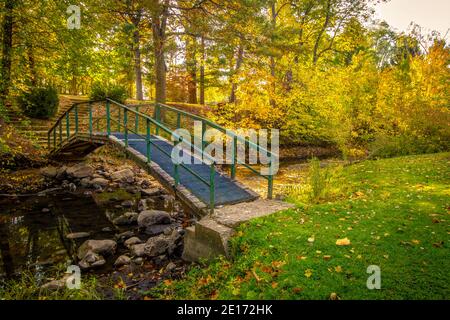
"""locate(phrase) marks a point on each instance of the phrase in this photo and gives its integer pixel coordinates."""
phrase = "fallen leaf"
(297, 290)
(308, 273)
(326, 258)
(338, 269)
(343, 242)
(274, 285)
(311, 240)
(334, 296)
(415, 241)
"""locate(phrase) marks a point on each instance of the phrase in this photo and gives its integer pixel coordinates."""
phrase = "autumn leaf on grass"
(214, 295)
(343, 242)
(167, 282)
(415, 242)
(274, 285)
(338, 269)
(308, 273)
(278, 264)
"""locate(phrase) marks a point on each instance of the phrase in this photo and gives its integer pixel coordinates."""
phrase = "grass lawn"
(395, 212)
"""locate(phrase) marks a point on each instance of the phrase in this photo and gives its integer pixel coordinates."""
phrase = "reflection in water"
(33, 230)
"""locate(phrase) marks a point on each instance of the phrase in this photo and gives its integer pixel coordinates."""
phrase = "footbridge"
(147, 134)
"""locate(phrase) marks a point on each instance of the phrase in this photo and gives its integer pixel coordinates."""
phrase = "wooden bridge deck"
(192, 190)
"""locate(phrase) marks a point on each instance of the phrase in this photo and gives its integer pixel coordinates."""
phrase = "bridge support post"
(234, 156)
(212, 188)
(125, 126)
(270, 181)
(76, 119)
(90, 118)
(149, 143)
(68, 125)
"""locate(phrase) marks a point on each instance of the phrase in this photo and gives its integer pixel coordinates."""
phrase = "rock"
(161, 244)
(49, 172)
(91, 260)
(170, 267)
(132, 241)
(107, 229)
(80, 170)
(138, 250)
(157, 229)
(127, 204)
(124, 235)
(122, 175)
(142, 205)
(55, 285)
(61, 173)
(78, 235)
(138, 261)
(126, 219)
(151, 192)
(122, 261)
(45, 210)
(85, 182)
(100, 182)
(151, 217)
(97, 246)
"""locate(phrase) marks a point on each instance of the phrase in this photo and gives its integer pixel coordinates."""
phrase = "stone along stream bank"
(112, 221)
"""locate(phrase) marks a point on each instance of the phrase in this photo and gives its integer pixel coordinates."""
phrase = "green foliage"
(393, 212)
(101, 91)
(40, 103)
(385, 146)
(27, 287)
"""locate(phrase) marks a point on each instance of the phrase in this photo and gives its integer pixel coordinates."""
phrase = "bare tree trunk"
(159, 24)
(7, 30)
(191, 66)
(31, 64)
(137, 65)
(272, 59)
(202, 72)
(239, 60)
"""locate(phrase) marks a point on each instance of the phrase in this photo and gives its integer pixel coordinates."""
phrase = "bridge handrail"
(149, 120)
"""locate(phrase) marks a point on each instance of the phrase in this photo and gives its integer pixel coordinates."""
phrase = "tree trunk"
(7, 30)
(239, 60)
(191, 66)
(321, 32)
(159, 23)
(202, 73)
(272, 58)
(137, 65)
(31, 64)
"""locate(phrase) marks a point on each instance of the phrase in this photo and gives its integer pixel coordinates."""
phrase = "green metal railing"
(83, 117)
(161, 113)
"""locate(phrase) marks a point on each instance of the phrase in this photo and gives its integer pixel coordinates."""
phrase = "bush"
(100, 91)
(40, 103)
(386, 146)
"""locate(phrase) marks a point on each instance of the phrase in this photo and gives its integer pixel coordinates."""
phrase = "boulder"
(162, 244)
(85, 182)
(122, 261)
(151, 192)
(127, 203)
(151, 217)
(100, 182)
(126, 219)
(49, 172)
(142, 205)
(61, 173)
(124, 235)
(97, 246)
(78, 235)
(91, 260)
(55, 285)
(122, 175)
(138, 250)
(157, 229)
(80, 170)
(132, 241)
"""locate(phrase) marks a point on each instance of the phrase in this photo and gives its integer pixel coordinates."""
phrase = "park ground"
(395, 214)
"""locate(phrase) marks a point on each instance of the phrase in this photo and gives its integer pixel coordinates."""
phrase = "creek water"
(33, 230)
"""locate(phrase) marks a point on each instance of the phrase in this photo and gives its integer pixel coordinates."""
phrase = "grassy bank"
(395, 214)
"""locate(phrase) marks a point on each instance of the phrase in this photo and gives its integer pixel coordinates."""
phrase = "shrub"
(385, 146)
(100, 91)
(40, 103)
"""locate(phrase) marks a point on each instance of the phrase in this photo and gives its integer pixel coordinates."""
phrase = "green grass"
(395, 213)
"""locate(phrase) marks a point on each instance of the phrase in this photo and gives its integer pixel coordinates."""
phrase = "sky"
(429, 14)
